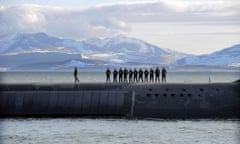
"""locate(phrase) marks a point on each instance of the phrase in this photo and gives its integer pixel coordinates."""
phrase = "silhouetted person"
(164, 74)
(146, 75)
(115, 74)
(125, 74)
(151, 75)
(157, 75)
(135, 75)
(108, 73)
(120, 75)
(76, 75)
(140, 72)
(130, 74)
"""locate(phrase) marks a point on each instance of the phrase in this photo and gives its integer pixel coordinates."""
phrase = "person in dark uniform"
(120, 75)
(108, 73)
(157, 75)
(125, 74)
(146, 75)
(115, 74)
(76, 75)
(135, 75)
(140, 72)
(164, 74)
(130, 74)
(151, 75)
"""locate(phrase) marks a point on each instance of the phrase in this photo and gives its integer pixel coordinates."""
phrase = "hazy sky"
(191, 26)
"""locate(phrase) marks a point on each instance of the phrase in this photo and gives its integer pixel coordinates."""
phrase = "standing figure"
(76, 75)
(140, 75)
(120, 75)
(164, 74)
(157, 75)
(135, 75)
(108, 73)
(130, 74)
(125, 74)
(151, 75)
(115, 74)
(146, 75)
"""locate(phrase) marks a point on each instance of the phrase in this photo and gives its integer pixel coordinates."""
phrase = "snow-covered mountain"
(109, 51)
(38, 42)
(40, 51)
(226, 57)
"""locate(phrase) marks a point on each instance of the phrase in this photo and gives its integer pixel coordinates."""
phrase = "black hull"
(121, 100)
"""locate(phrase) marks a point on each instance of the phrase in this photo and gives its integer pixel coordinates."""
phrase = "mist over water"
(92, 77)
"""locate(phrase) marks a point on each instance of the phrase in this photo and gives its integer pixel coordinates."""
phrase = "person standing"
(164, 75)
(125, 74)
(115, 74)
(108, 73)
(140, 75)
(76, 75)
(120, 75)
(146, 75)
(130, 74)
(157, 75)
(151, 75)
(135, 75)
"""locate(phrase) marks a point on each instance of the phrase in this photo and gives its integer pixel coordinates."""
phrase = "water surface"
(117, 131)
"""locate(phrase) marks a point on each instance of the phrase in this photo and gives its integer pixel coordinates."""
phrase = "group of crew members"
(135, 76)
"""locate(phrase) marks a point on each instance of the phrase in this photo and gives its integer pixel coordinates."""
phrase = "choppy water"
(107, 131)
(67, 77)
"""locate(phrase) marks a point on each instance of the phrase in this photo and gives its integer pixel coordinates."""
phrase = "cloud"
(23, 18)
(107, 20)
(174, 10)
(58, 21)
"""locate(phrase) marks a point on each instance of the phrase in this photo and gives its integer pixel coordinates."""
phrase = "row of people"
(125, 75)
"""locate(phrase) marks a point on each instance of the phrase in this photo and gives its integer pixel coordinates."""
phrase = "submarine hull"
(121, 100)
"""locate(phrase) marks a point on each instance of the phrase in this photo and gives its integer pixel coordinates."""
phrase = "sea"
(116, 131)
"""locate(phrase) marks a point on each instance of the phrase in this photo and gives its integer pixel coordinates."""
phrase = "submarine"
(121, 100)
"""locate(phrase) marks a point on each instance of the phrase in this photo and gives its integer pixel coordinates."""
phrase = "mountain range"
(226, 57)
(39, 51)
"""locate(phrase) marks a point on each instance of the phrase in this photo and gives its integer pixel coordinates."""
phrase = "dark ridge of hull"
(121, 100)
(237, 81)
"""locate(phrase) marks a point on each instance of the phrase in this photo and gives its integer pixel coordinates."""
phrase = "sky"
(189, 26)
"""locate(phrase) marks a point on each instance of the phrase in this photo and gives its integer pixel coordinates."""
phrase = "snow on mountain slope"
(6, 41)
(119, 49)
(39, 49)
(226, 57)
(27, 43)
